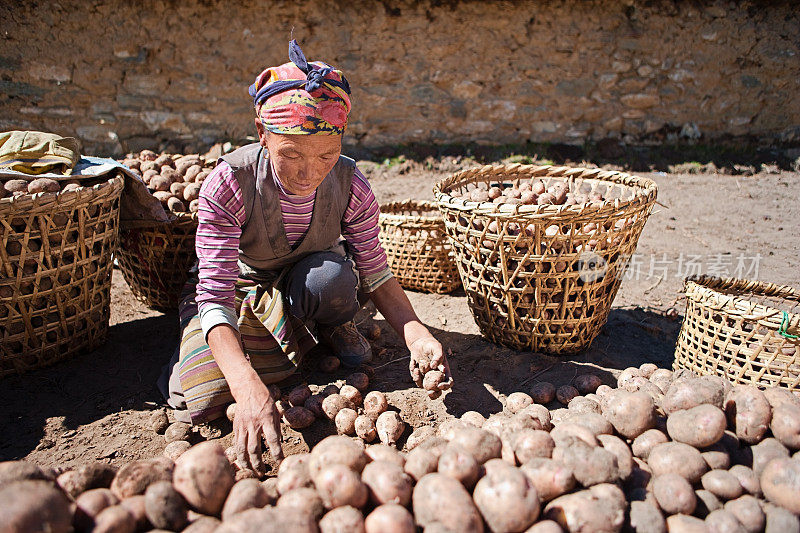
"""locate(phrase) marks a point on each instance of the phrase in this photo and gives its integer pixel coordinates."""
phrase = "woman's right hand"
(256, 415)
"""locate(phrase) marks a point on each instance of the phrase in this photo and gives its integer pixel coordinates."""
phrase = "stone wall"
(124, 75)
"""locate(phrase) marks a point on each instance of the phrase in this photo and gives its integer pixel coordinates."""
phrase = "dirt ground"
(95, 407)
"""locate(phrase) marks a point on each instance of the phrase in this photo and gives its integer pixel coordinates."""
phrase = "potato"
(595, 423)
(352, 395)
(674, 494)
(89, 504)
(163, 197)
(621, 451)
(387, 483)
(115, 519)
(566, 430)
(164, 507)
(780, 520)
(785, 425)
(780, 482)
(334, 403)
(481, 444)
(342, 520)
(601, 508)
(506, 499)
(566, 393)
(304, 499)
(298, 417)
(517, 401)
(390, 427)
(390, 518)
(699, 426)
(158, 421)
(203, 476)
(590, 465)
(43, 185)
(192, 172)
(34, 505)
(329, 364)
(644, 517)
(338, 485)
(459, 465)
(135, 506)
(314, 405)
(175, 205)
(11, 471)
(678, 458)
(681, 523)
(532, 443)
(581, 404)
(685, 393)
(375, 403)
(473, 418)
(747, 479)
(661, 378)
(358, 380)
(631, 413)
(191, 192)
(722, 483)
(134, 478)
(245, 494)
(345, 421)
(364, 427)
(89, 476)
(382, 452)
(420, 462)
(762, 453)
(748, 512)
(178, 431)
(550, 478)
(538, 414)
(748, 413)
(587, 383)
(544, 526)
(442, 499)
(16, 187)
(298, 395)
(177, 188)
(716, 457)
(778, 395)
(336, 449)
(160, 183)
(721, 521)
(543, 392)
(293, 473)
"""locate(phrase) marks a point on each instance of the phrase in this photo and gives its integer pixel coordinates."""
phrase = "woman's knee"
(322, 287)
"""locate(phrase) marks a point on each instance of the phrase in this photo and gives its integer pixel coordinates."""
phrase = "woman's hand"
(427, 354)
(256, 415)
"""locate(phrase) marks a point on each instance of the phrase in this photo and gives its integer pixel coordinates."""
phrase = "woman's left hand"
(427, 354)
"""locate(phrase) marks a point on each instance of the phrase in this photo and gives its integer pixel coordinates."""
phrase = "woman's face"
(301, 161)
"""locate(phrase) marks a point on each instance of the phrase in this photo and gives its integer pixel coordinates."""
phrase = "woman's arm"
(392, 302)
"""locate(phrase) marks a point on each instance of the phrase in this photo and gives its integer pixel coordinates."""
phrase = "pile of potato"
(19, 187)
(662, 451)
(172, 178)
(528, 192)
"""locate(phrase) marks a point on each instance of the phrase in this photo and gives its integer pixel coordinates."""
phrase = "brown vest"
(263, 245)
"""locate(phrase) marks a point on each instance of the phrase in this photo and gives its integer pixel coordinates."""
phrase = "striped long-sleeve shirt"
(221, 215)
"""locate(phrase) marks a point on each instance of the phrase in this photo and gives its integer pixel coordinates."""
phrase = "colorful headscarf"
(302, 97)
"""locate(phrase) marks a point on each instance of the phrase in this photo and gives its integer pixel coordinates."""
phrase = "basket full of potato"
(57, 237)
(541, 249)
(155, 261)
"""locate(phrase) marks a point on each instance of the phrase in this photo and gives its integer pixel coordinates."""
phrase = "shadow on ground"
(120, 375)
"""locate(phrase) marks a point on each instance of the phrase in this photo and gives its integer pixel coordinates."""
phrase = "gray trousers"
(320, 289)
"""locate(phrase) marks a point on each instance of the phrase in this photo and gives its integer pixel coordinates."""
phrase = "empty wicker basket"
(746, 331)
(417, 247)
(543, 277)
(55, 273)
(155, 261)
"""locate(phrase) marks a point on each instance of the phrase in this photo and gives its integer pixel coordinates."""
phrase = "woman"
(287, 237)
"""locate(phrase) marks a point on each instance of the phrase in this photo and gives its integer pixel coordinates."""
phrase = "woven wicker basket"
(155, 261)
(741, 330)
(416, 244)
(543, 277)
(55, 273)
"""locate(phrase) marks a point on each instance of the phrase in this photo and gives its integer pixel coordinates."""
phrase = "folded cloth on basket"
(138, 208)
(36, 152)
